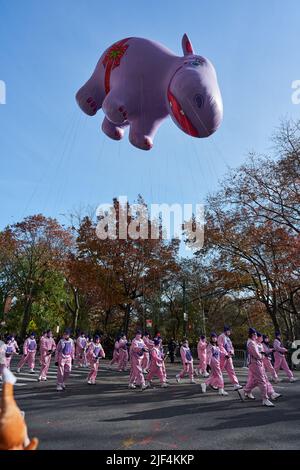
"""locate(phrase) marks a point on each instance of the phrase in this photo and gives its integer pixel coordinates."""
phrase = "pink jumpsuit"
(213, 358)
(156, 363)
(280, 360)
(226, 363)
(202, 356)
(47, 347)
(115, 357)
(9, 350)
(161, 348)
(2, 357)
(29, 352)
(187, 362)
(16, 345)
(146, 360)
(123, 355)
(94, 353)
(256, 372)
(267, 361)
(81, 344)
(64, 355)
(270, 389)
(136, 357)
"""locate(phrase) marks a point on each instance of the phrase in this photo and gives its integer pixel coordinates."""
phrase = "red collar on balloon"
(178, 112)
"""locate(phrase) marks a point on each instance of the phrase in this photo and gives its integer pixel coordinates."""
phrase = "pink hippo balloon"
(138, 83)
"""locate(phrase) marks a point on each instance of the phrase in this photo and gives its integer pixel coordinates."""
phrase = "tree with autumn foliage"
(123, 271)
(252, 231)
(31, 252)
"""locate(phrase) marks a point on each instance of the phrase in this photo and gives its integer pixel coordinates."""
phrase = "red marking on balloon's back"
(112, 60)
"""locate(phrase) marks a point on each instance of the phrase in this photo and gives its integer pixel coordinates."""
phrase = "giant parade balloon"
(138, 83)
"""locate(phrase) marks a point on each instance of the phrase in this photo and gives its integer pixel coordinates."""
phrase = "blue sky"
(55, 160)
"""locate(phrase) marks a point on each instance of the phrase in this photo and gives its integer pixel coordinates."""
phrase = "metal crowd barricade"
(240, 358)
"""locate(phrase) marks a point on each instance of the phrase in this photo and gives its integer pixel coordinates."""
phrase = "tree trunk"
(126, 322)
(75, 321)
(107, 315)
(26, 318)
(74, 310)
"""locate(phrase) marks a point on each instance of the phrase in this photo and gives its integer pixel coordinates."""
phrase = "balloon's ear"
(187, 45)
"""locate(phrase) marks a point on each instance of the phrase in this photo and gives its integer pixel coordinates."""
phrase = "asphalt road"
(109, 416)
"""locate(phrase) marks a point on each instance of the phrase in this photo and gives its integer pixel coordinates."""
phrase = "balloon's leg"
(90, 97)
(114, 108)
(111, 130)
(142, 136)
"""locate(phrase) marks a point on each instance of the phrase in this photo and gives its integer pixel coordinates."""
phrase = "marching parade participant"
(149, 345)
(47, 347)
(137, 350)
(115, 358)
(187, 362)
(80, 354)
(94, 353)
(256, 372)
(64, 356)
(161, 347)
(279, 356)
(9, 350)
(227, 352)
(270, 390)
(267, 358)
(215, 380)
(156, 364)
(202, 356)
(15, 343)
(123, 353)
(2, 358)
(29, 352)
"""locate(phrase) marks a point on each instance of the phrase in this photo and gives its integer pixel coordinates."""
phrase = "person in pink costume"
(279, 356)
(29, 353)
(2, 358)
(215, 380)
(267, 358)
(202, 356)
(187, 362)
(47, 348)
(270, 390)
(94, 353)
(156, 364)
(161, 347)
(64, 356)
(149, 345)
(15, 344)
(9, 350)
(123, 353)
(227, 352)
(80, 348)
(137, 350)
(256, 371)
(115, 358)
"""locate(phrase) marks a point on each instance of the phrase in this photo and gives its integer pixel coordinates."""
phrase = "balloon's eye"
(199, 100)
(198, 61)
